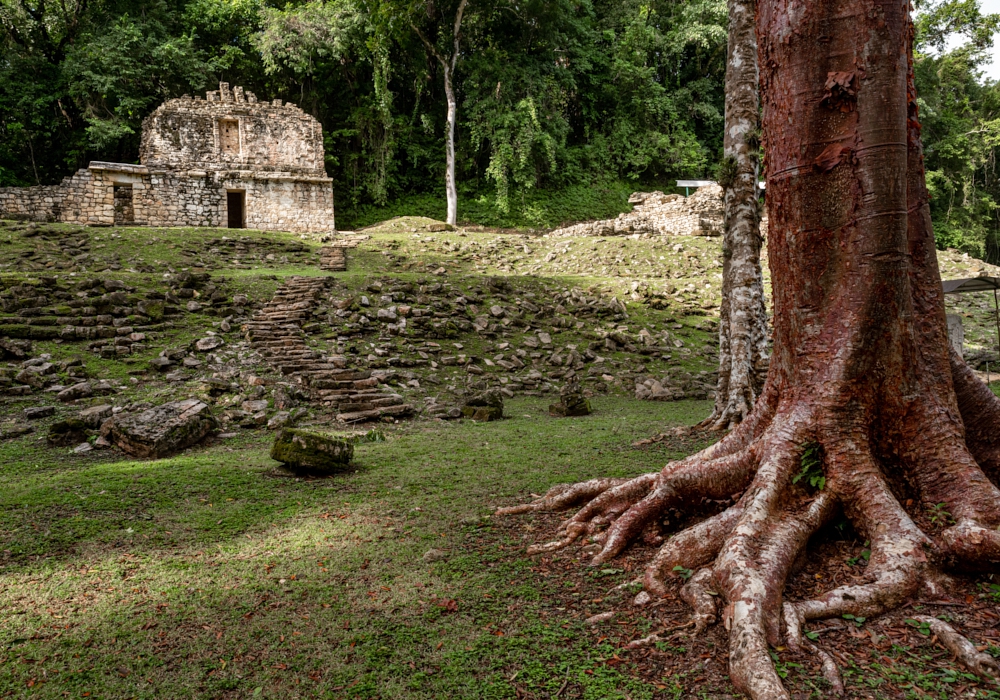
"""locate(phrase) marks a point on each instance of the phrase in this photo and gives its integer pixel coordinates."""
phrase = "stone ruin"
(659, 214)
(223, 161)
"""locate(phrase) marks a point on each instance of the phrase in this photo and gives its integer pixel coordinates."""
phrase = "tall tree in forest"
(448, 61)
(864, 413)
(743, 318)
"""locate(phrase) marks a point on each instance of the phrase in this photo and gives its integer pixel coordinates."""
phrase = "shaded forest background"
(565, 106)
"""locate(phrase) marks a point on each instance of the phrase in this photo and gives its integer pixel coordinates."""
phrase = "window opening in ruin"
(124, 210)
(229, 136)
(235, 201)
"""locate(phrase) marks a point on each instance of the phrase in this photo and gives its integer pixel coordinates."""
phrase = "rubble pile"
(658, 214)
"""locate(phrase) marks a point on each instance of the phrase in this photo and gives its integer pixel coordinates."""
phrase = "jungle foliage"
(554, 96)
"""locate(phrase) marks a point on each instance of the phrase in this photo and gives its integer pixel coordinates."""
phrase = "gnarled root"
(830, 671)
(690, 549)
(563, 496)
(743, 555)
(698, 593)
(983, 665)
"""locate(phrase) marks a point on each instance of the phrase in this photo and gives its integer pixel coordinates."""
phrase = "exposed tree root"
(830, 671)
(698, 594)
(965, 652)
(690, 549)
(742, 556)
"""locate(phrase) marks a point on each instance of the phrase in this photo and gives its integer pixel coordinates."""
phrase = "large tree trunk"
(743, 318)
(449, 176)
(860, 377)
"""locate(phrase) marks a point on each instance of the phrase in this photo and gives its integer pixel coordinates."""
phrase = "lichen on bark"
(742, 316)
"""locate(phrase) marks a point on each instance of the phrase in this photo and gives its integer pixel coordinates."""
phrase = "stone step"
(374, 414)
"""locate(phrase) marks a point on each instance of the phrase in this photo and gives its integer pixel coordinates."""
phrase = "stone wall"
(285, 204)
(193, 152)
(231, 130)
(166, 199)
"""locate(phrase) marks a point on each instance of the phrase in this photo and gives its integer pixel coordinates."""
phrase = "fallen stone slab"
(77, 391)
(37, 412)
(95, 416)
(163, 430)
(12, 431)
(374, 414)
(306, 450)
(208, 344)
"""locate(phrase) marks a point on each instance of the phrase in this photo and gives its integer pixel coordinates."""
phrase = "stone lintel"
(129, 168)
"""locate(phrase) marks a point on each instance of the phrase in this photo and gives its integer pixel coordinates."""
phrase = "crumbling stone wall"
(231, 130)
(193, 152)
(655, 213)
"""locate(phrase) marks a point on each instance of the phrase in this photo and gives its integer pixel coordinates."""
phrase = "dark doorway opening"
(235, 205)
(124, 209)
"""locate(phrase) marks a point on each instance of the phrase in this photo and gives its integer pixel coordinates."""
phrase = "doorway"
(124, 208)
(235, 205)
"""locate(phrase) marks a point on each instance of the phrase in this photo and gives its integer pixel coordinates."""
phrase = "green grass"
(532, 209)
(215, 572)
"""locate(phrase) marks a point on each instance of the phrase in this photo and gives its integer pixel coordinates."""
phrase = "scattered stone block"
(161, 364)
(484, 406)
(572, 403)
(68, 432)
(77, 391)
(38, 412)
(163, 430)
(306, 450)
(95, 416)
(12, 431)
(82, 448)
(208, 344)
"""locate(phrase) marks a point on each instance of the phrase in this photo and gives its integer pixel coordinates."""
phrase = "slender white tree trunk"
(448, 65)
(449, 175)
(743, 322)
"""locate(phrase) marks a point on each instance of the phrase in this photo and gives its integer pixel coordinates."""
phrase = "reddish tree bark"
(860, 374)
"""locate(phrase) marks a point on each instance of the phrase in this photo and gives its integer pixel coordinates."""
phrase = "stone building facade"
(225, 160)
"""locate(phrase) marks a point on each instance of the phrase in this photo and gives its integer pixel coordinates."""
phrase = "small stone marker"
(572, 403)
(485, 406)
(306, 450)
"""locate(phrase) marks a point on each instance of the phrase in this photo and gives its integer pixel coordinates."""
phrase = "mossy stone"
(482, 413)
(306, 450)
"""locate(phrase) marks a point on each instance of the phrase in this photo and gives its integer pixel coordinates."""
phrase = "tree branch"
(429, 45)
(457, 32)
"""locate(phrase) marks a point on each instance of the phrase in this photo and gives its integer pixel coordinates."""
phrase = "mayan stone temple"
(223, 161)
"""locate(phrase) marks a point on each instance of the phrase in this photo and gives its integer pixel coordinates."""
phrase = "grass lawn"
(216, 574)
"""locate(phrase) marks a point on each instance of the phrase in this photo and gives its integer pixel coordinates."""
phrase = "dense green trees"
(961, 124)
(553, 95)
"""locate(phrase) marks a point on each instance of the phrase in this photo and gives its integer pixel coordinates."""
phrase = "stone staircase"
(333, 258)
(276, 332)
